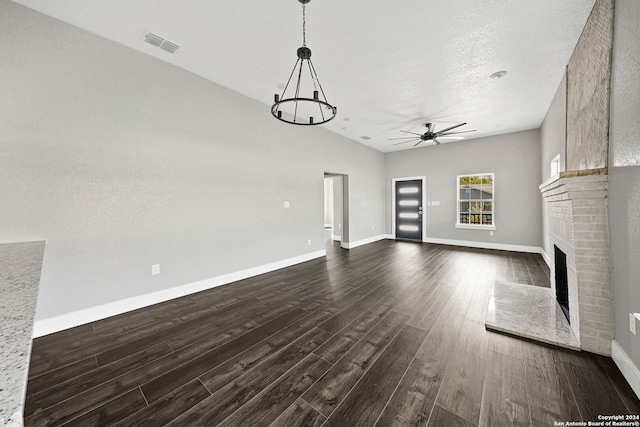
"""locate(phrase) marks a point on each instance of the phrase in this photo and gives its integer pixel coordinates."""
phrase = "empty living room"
(320, 213)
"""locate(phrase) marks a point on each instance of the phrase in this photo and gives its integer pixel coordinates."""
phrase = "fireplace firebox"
(562, 283)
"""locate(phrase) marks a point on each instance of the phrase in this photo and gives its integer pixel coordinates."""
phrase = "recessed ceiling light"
(498, 75)
(347, 119)
(365, 137)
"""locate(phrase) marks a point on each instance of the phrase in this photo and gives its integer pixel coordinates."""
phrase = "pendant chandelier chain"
(304, 26)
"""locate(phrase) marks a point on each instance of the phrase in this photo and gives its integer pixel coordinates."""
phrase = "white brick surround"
(579, 226)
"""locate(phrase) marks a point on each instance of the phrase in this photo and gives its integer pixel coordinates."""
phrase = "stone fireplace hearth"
(579, 227)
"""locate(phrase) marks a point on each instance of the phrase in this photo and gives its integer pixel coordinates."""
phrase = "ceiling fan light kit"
(432, 135)
(291, 107)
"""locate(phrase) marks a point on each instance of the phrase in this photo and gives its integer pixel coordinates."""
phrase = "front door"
(408, 206)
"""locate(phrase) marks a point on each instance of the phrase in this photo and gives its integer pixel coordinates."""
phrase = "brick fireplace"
(579, 227)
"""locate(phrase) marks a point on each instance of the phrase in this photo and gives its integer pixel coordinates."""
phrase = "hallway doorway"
(336, 209)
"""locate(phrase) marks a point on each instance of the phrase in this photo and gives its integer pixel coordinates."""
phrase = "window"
(475, 201)
(555, 166)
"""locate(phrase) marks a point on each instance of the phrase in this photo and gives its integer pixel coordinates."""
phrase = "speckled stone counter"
(20, 266)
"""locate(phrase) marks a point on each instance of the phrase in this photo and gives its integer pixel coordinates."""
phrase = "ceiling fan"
(432, 135)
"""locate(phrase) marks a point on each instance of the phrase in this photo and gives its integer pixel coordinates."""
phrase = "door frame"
(344, 234)
(424, 203)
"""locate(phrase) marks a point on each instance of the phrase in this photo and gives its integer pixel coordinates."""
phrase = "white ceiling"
(387, 65)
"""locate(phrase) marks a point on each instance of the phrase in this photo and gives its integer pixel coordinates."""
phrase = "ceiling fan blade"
(458, 131)
(402, 137)
(404, 142)
(418, 143)
(436, 141)
(413, 133)
(440, 132)
(453, 138)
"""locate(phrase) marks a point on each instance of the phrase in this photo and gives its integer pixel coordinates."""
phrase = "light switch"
(286, 204)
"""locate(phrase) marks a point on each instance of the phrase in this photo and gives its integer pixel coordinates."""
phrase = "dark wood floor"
(390, 333)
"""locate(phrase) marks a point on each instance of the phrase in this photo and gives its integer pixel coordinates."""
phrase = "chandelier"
(293, 107)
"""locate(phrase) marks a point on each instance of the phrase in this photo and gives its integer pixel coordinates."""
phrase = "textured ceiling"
(388, 66)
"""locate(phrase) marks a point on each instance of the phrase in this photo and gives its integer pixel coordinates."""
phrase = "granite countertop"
(20, 266)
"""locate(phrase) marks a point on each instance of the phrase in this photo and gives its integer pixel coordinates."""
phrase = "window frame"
(493, 204)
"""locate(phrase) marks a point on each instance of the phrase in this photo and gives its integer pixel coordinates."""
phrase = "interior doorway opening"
(336, 208)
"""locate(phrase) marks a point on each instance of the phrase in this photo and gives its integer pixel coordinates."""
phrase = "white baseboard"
(627, 367)
(336, 238)
(486, 245)
(351, 245)
(546, 257)
(81, 317)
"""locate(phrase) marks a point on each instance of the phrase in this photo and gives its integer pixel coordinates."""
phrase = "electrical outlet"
(632, 323)
(155, 269)
(491, 233)
(287, 204)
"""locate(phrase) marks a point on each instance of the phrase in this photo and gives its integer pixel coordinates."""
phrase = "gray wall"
(121, 161)
(514, 160)
(624, 173)
(553, 135)
(553, 132)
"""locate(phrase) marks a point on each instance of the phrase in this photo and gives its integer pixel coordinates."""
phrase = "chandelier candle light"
(293, 108)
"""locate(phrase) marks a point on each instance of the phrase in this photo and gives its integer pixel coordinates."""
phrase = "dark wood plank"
(539, 275)
(88, 380)
(210, 323)
(349, 314)
(549, 392)
(364, 404)
(441, 417)
(333, 387)
(113, 411)
(336, 347)
(51, 378)
(228, 399)
(158, 387)
(169, 407)
(96, 344)
(621, 385)
(463, 382)
(415, 396)
(96, 396)
(519, 270)
(42, 344)
(505, 400)
(594, 393)
(263, 409)
(284, 346)
(299, 414)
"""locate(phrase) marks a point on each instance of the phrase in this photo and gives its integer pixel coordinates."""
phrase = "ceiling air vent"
(161, 43)
(365, 137)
